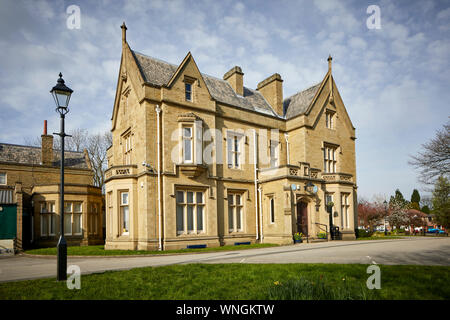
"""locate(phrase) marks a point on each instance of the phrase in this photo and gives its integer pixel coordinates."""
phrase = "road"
(415, 251)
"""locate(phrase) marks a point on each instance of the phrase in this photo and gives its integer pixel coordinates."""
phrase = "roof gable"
(161, 73)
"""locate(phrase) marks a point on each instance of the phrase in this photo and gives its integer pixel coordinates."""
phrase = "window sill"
(192, 170)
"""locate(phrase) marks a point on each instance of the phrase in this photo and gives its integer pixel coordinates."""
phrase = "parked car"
(434, 230)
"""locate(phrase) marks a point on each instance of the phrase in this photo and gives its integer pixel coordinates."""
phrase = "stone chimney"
(235, 78)
(46, 147)
(272, 90)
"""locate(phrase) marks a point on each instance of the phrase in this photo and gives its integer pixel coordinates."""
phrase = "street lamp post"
(61, 93)
(385, 217)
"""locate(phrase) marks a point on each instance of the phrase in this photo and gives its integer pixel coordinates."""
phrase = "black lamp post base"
(62, 259)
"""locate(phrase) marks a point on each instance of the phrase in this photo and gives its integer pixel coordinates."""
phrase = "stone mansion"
(197, 160)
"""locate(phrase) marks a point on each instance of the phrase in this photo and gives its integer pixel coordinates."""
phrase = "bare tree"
(95, 145)
(434, 159)
(77, 140)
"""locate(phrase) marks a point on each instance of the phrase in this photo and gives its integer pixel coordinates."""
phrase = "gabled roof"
(159, 73)
(17, 154)
(298, 103)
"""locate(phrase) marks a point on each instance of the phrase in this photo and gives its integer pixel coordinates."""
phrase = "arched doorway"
(302, 218)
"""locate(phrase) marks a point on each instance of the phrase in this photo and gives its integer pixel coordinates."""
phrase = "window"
(48, 219)
(110, 212)
(272, 210)
(329, 159)
(72, 218)
(329, 119)
(235, 211)
(188, 90)
(2, 178)
(93, 219)
(127, 148)
(190, 212)
(68, 218)
(187, 144)
(274, 144)
(345, 210)
(328, 199)
(124, 213)
(234, 150)
(77, 215)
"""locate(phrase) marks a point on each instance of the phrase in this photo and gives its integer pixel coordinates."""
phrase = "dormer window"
(329, 119)
(188, 90)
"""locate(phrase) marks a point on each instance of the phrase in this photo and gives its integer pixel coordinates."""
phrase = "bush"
(361, 233)
(319, 289)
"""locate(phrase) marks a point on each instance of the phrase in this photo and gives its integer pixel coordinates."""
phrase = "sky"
(394, 80)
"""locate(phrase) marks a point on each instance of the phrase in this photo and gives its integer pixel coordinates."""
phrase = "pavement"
(407, 251)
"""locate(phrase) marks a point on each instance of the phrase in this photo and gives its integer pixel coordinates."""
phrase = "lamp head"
(61, 94)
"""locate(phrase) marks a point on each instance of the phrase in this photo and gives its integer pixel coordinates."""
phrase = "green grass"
(100, 251)
(244, 281)
(379, 237)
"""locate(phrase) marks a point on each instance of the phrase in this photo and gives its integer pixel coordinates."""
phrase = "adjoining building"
(198, 160)
(29, 196)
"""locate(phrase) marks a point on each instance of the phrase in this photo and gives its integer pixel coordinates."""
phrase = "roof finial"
(329, 62)
(124, 32)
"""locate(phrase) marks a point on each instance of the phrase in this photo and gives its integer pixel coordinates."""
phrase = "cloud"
(393, 81)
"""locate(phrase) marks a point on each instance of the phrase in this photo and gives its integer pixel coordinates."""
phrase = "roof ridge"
(36, 147)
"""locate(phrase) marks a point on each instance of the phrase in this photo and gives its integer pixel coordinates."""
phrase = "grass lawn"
(244, 281)
(380, 237)
(100, 251)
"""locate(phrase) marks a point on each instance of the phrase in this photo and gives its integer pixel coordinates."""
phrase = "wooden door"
(302, 218)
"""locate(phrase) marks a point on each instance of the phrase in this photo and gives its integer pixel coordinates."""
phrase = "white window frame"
(190, 140)
(329, 159)
(233, 208)
(234, 150)
(4, 174)
(195, 205)
(122, 206)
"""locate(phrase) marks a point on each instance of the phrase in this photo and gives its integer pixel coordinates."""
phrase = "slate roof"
(299, 102)
(32, 156)
(158, 72)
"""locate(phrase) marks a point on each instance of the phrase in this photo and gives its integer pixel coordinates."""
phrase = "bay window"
(124, 213)
(48, 219)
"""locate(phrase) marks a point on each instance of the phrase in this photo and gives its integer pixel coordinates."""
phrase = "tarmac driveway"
(416, 251)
